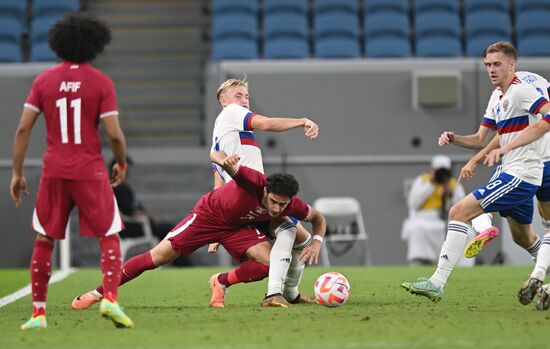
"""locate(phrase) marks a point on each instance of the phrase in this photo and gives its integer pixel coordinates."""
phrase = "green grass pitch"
(170, 310)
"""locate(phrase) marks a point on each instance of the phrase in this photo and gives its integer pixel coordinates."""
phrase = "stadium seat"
(473, 6)
(337, 47)
(421, 6)
(40, 28)
(58, 8)
(234, 25)
(237, 48)
(341, 24)
(286, 48)
(437, 23)
(41, 52)
(14, 9)
(343, 207)
(10, 52)
(387, 24)
(439, 47)
(533, 23)
(487, 23)
(387, 47)
(534, 46)
(298, 6)
(148, 239)
(530, 5)
(11, 30)
(324, 6)
(220, 7)
(400, 6)
(476, 46)
(287, 24)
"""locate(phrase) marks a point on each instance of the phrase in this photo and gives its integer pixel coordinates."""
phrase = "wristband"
(318, 238)
(122, 166)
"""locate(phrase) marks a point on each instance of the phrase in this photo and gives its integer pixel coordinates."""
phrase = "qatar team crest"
(505, 105)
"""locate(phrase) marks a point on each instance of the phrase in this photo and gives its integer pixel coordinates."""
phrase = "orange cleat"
(86, 300)
(218, 292)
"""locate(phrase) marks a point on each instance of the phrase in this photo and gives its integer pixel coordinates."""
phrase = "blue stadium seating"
(476, 46)
(437, 23)
(534, 46)
(41, 52)
(487, 23)
(421, 6)
(53, 7)
(336, 24)
(298, 6)
(285, 24)
(388, 47)
(286, 48)
(439, 47)
(237, 48)
(529, 5)
(533, 23)
(40, 28)
(387, 24)
(10, 52)
(233, 25)
(14, 9)
(323, 6)
(220, 7)
(473, 6)
(400, 6)
(11, 30)
(337, 47)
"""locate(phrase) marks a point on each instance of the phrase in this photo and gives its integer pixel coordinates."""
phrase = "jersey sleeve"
(298, 209)
(530, 99)
(489, 119)
(250, 180)
(108, 103)
(237, 118)
(33, 100)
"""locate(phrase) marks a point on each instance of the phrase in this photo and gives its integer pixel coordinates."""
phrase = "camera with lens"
(442, 175)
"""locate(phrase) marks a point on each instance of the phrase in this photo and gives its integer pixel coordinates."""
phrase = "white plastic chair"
(343, 206)
(126, 243)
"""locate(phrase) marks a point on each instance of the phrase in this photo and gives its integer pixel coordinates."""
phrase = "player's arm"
(260, 122)
(20, 143)
(118, 146)
(218, 180)
(230, 163)
(475, 141)
(468, 171)
(310, 254)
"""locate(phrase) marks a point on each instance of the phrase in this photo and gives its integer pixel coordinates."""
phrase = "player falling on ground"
(226, 215)
(74, 97)
(233, 134)
(512, 107)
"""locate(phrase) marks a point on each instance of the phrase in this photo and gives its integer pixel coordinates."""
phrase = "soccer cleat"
(543, 297)
(479, 242)
(86, 300)
(35, 323)
(111, 310)
(424, 287)
(303, 299)
(275, 300)
(218, 292)
(528, 290)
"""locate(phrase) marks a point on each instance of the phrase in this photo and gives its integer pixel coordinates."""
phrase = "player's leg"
(482, 225)
(296, 269)
(280, 256)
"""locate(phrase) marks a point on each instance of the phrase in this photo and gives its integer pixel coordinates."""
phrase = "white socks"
(295, 271)
(453, 247)
(482, 222)
(280, 257)
(543, 259)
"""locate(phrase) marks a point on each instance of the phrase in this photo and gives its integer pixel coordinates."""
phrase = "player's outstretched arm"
(310, 254)
(18, 183)
(118, 146)
(230, 163)
(475, 141)
(468, 171)
(260, 122)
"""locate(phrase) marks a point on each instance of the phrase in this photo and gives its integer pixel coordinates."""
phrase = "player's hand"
(493, 157)
(213, 248)
(446, 138)
(468, 171)
(311, 129)
(18, 185)
(118, 175)
(310, 254)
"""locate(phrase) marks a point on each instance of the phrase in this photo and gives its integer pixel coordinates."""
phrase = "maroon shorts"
(192, 233)
(98, 213)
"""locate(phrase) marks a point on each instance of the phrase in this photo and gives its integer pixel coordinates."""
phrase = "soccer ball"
(332, 289)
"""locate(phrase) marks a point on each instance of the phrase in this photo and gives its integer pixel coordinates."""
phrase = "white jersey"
(510, 114)
(233, 134)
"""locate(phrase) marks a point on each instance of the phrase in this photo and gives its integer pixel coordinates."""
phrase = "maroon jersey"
(237, 203)
(73, 98)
